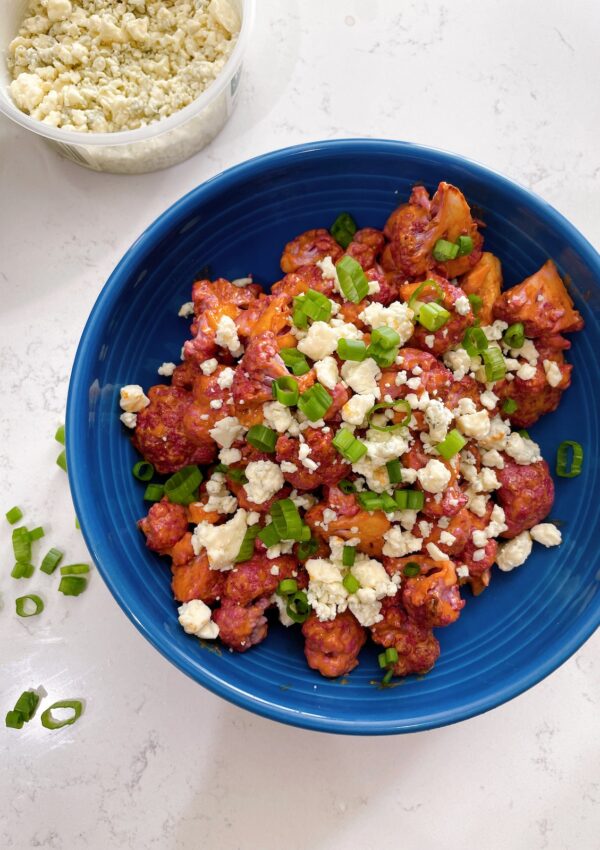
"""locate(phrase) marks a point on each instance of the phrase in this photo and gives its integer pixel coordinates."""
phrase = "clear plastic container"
(150, 148)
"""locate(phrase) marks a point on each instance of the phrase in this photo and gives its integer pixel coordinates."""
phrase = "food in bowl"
(358, 427)
(99, 66)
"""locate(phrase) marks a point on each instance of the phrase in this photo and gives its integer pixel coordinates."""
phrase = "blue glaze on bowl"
(508, 639)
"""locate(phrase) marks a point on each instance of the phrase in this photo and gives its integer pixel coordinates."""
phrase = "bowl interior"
(524, 625)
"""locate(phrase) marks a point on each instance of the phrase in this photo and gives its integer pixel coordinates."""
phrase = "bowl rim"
(528, 674)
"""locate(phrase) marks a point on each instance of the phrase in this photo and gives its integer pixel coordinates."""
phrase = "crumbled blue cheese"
(226, 431)
(133, 399)
(195, 618)
(264, 480)
(227, 337)
(219, 497)
(322, 338)
(399, 543)
(553, 373)
(546, 533)
(222, 542)
(209, 366)
(434, 477)
(166, 369)
(362, 376)
(524, 451)
(104, 66)
(357, 407)
(515, 552)
(397, 316)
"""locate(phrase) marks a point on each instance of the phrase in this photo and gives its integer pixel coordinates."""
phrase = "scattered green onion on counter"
(14, 515)
(23, 605)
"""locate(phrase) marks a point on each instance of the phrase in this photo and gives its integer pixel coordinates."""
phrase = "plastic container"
(150, 148)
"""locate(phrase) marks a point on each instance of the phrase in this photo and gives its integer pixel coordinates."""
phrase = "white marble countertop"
(156, 761)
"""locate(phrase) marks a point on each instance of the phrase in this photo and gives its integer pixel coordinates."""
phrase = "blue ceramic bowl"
(519, 630)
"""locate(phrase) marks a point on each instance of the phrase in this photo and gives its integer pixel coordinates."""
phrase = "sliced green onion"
(416, 500)
(394, 470)
(476, 302)
(315, 402)
(62, 460)
(247, 547)
(411, 569)
(565, 469)
(388, 676)
(143, 470)
(391, 655)
(347, 487)
(409, 500)
(28, 701)
(297, 607)
(154, 492)
(465, 246)
(74, 569)
(523, 433)
(399, 404)
(285, 390)
(369, 501)
(77, 523)
(262, 438)
(36, 533)
(412, 301)
(14, 515)
(287, 586)
(60, 435)
(388, 504)
(385, 338)
(352, 279)
(306, 549)
(444, 251)
(351, 349)
(237, 475)
(382, 356)
(295, 360)
(348, 446)
(181, 487)
(343, 229)
(514, 336)
(452, 444)
(316, 306)
(351, 583)
(72, 585)
(21, 543)
(474, 341)
(348, 556)
(509, 406)
(299, 317)
(52, 559)
(495, 365)
(432, 316)
(286, 519)
(14, 720)
(381, 660)
(22, 570)
(49, 722)
(305, 533)
(21, 604)
(269, 535)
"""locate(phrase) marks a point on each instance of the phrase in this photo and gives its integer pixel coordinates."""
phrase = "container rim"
(150, 131)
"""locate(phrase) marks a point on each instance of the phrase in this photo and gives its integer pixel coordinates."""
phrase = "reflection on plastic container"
(150, 148)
